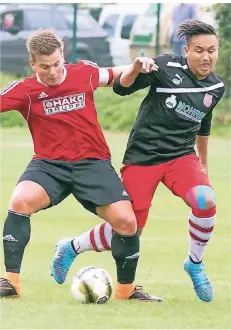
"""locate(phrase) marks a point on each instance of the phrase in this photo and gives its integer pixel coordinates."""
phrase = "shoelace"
(195, 274)
(197, 270)
(65, 261)
(2, 279)
(140, 289)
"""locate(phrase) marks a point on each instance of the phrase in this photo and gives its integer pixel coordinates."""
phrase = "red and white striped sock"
(201, 223)
(97, 239)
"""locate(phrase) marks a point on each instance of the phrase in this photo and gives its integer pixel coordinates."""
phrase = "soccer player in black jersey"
(175, 116)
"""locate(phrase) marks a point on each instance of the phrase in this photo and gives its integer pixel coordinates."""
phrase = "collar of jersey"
(60, 82)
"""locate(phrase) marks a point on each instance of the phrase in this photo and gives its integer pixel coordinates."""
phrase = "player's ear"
(186, 51)
(32, 64)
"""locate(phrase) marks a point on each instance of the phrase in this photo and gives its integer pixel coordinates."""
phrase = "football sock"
(82, 243)
(14, 278)
(125, 251)
(201, 223)
(123, 291)
(97, 239)
(16, 235)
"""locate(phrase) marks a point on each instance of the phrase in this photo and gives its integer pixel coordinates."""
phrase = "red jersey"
(62, 119)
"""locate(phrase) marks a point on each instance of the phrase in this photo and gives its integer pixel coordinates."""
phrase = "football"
(92, 284)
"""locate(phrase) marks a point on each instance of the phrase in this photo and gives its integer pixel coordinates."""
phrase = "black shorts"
(93, 182)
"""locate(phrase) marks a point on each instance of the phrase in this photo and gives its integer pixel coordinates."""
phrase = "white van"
(117, 20)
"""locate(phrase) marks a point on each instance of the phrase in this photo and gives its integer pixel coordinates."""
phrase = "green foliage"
(222, 118)
(223, 17)
(12, 119)
(118, 114)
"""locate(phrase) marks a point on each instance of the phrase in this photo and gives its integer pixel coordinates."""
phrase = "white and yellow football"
(92, 284)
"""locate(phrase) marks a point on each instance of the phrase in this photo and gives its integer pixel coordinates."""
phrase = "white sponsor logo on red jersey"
(64, 104)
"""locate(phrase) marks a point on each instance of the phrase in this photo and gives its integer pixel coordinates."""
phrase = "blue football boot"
(201, 283)
(63, 258)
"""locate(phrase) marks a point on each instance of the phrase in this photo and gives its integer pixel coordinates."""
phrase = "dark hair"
(189, 29)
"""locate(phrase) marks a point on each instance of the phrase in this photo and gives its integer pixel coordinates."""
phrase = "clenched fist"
(144, 65)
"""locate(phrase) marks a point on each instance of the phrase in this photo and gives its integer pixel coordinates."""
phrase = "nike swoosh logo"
(78, 248)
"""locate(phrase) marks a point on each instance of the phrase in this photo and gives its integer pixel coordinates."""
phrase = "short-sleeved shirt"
(62, 119)
(177, 108)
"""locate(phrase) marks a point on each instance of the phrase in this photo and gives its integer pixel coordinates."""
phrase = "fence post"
(74, 35)
(157, 50)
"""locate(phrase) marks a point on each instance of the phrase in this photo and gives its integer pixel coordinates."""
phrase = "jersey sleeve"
(105, 76)
(143, 80)
(206, 124)
(98, 76)
(13, 97)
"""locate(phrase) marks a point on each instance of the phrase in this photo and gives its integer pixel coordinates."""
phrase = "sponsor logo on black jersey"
(184, 109)
(190, 112)
(177, 80)
(64, 104)
(208, 100)
(171, 102)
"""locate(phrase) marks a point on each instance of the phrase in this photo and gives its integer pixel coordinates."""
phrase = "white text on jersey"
(64, 104)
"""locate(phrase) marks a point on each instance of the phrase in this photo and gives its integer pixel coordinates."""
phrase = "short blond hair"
(43, 42)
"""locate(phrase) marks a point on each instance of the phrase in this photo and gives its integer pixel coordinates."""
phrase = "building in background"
(143, 33)
(117, 20)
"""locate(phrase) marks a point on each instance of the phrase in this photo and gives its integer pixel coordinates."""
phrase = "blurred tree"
(223, 17)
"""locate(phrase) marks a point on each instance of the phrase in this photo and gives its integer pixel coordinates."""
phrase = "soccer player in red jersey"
(174, 116)
(71, 156)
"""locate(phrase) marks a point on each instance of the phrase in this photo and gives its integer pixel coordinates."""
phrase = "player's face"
(49, 68)
(202, 54)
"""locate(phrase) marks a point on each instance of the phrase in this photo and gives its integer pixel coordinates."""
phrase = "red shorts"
(178, 175)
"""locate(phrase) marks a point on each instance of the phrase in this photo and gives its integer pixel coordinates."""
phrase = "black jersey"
(177, 108)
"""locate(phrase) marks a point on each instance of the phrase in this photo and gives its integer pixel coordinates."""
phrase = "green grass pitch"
(164, 245)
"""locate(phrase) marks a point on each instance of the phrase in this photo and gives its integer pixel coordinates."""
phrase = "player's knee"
(201, 197)
(126, 225)
(19, 204)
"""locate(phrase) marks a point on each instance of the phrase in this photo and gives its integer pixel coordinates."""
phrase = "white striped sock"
(200, 231)
(96, 239)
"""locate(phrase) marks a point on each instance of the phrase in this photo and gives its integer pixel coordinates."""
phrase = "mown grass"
(164, 245)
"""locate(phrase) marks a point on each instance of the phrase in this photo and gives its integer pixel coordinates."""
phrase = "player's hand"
(204, 168)
(144, 65)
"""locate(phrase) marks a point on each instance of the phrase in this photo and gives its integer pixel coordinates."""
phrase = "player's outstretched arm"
(107, 76)
(116, 71)
(139, 75)
(140, 65)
